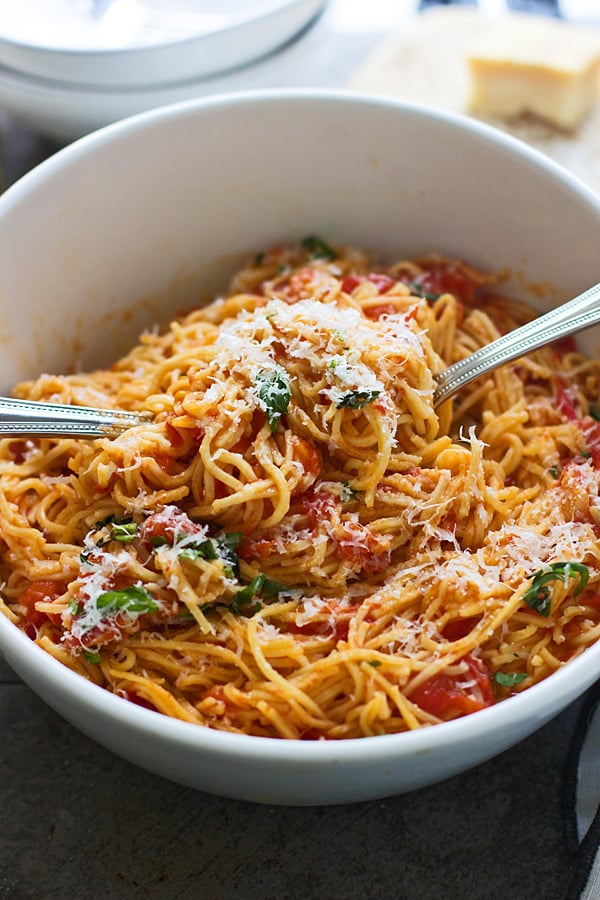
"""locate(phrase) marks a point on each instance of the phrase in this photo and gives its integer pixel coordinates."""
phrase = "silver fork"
(24, 418)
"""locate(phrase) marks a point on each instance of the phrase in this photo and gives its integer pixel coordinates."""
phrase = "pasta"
(298, 545)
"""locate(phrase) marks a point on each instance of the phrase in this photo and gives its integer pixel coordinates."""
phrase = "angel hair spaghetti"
(297, 545)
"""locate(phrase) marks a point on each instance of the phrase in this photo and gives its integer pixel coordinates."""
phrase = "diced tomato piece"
(18, 450)
(168, 523)
(136, 698)
(308, 456)
(450, 696)
(564, 345)
(256, 548)
(311, 734)
(459, 628)
(590, 598)
(316, 506)
(364, 549)
(445, 276)
(110, 630)
(591, 433)
(336, 624)
(382, 309)
(43, 591)
(351, 282)
(589, 427)
(173, 434)
(296, 286)
(164, 461)
(565, 402)
(382, 282)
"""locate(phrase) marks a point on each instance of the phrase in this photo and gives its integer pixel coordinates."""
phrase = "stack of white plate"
(68, 67)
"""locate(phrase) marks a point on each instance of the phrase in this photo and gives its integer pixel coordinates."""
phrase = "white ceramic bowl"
(129, 223)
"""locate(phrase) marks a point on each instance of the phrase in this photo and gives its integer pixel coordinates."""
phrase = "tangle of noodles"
(298, 545)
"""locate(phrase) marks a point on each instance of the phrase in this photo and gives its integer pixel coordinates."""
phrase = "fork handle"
(580, 313)
(24, 418)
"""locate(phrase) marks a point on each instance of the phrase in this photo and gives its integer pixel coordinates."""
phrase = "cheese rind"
(531, 65)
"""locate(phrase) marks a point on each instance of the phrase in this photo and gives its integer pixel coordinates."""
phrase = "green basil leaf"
(539, 595)
(259, 585)
(227, 544)
(199, 550)
(92, 656)
(417, 291)
(159, 540)
(274, 392)
(272, 588)
(124, 532)
(101, 523)
(246, 595)
(357, 399)
(509, 679)
(318, 248)
(75, 608)
(131, 599)
(348, 494)
(222, 547)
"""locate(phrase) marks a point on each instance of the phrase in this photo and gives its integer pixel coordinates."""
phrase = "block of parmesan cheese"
(530, 64)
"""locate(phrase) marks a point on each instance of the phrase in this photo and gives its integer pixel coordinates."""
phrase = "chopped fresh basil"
(509, 679)
(246, 595)
(274, 393)
(347, 494)
(418, 291)
(258, 260)
(554, 471)
(374, 662)
(585, 454)
(594, 412)
(272, 588)
(199, 550)
(124, 532)
(92, 657)
(227, 544)
(131, 599)
(357, 399)
(75, 607)
(318, 248)
(259, 585)
(159, 540)
(108, 520)
(539, 595)
(222, 547)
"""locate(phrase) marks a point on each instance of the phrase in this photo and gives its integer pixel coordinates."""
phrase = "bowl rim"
(33, 59)
(539, 702)
(484, 132)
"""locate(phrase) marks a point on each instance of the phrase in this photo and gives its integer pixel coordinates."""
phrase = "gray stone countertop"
(78, 822)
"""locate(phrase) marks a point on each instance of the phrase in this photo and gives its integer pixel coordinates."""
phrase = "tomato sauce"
(445, 697)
